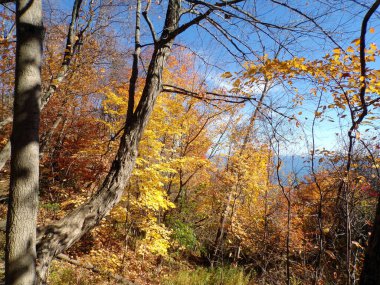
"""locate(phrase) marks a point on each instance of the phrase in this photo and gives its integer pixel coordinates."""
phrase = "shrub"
(184, 235)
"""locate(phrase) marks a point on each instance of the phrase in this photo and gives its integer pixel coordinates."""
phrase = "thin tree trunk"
(20, 259)
(135, 64)
(288, 224)
(220, 233)
(348, 233)
(49, 134)
(288, 213)
(223, 219)
(318, 264)
(71, 44)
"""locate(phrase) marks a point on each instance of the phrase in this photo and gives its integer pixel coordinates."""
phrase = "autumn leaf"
(356, 42)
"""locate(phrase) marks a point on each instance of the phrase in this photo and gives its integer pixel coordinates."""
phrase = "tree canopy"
(190, 142)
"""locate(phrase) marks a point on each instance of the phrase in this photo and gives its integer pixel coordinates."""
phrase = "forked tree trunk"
(20, 259)
(55, 238)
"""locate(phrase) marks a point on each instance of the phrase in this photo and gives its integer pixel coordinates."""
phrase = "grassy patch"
(205, 276)
(65, 274)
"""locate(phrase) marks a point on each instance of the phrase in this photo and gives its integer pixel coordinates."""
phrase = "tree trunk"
(55, 238)
(370, 274)
(218, 243)
(20, 259)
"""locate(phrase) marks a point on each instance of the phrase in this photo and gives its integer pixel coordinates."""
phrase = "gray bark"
(20, 260)
(55, 238)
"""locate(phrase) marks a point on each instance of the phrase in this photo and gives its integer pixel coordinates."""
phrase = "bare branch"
(135, 65)
(235, 99)
(310, 19)
(149, 22)
(227, 35)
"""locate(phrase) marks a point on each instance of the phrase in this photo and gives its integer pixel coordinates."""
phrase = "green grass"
(204, 276)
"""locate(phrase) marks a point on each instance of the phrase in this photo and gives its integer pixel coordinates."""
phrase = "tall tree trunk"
(370, 274)
(20, 259)
(55, 238)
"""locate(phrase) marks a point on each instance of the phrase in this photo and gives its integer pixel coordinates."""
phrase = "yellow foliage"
(340, 71)
(157, 239)
(173, 142)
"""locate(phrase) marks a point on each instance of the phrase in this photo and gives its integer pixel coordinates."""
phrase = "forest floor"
(139, 271)
(81, 269)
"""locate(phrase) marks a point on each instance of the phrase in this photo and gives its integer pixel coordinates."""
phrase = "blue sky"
(342, 25)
